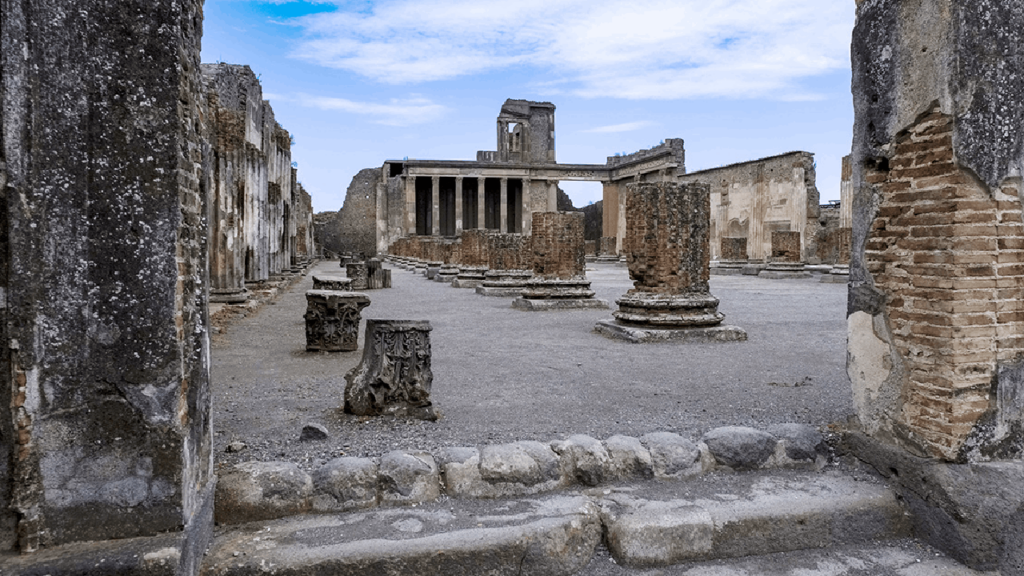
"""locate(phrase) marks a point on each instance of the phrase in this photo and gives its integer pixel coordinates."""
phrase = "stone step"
(643, 524)
(903, 557)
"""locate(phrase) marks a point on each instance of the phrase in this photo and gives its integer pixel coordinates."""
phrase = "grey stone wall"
(357, 219)
(103, 219)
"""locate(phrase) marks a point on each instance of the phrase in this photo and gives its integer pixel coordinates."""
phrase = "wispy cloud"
(615, 128)
(397, 112)
(645, 49)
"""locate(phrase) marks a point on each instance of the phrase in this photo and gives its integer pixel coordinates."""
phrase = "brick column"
(410, 205)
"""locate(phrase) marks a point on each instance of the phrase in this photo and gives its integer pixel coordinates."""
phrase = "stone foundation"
(559, 265)
(470, 277)
(504, 282)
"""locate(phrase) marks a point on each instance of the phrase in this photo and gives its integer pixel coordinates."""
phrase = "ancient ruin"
(667, 249)
(785, 261)
(935, 307)
(559, 269)
(332, 320)
(509, 263)
(394, 376)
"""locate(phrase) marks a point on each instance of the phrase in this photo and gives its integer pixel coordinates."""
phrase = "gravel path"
(502, 375)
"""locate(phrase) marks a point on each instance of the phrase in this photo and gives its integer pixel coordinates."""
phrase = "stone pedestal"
(432, 269)
(332, 320)
(504, 282)
(337, 283)
(356, 272)
(786, 261)
(394, 376)
(447, 273)
(559, 265)
(470, 277)
(733, 257)
(667, 249)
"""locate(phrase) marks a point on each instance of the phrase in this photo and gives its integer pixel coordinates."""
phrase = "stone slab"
(229, 297)
(752, 269)
(461, 283)
(499, 291)
(558, 304)
(780, 275)
(696, 335)
(554, 536)
(835, 279)
(722, 271)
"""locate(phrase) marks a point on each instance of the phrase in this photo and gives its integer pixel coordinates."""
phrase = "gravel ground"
(502, 375)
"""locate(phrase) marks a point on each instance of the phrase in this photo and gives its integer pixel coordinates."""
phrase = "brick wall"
(786, 246)
(950, 259)
(474, 247)
(508, 252)
(667, 237)
(734, 248)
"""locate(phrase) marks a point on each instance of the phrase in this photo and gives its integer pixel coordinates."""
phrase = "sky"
(358, 82)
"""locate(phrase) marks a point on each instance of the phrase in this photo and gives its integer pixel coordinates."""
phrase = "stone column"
(503, 207)
(410, 205)
(559, 266)
(106, 397)
(458, 205)
(481, 205)
(524, 207)
(435, 206)
(668, 251)
(935, 313)
(552, 196)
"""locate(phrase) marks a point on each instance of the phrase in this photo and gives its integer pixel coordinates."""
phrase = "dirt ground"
(502, 375)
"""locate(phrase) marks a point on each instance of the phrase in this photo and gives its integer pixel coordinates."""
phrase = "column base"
(784, 271)
(693, 335)
(530, 305)
(229, 297)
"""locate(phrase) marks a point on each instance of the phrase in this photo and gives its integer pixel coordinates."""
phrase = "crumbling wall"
(104, 222)
(280, 229)
(593, 224)
(935, 313)
(829, 242)
(753, 199)
(304, 246)
(474, 247)
(357, 219)
(325, 231)
(508, 252)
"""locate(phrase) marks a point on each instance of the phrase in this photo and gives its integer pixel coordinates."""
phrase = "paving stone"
(408, 477)
(628, 458)
(672, 456)
(585, 457)
(345, 484)
(802, 443)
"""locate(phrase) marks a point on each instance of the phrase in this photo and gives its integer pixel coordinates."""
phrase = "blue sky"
(360, 82)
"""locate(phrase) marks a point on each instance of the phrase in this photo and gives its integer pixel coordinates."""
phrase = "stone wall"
(474, 248)
(593, 224)
(303, 217)
(753, 199)
(557, 245)
(106, 173)
(357, 219)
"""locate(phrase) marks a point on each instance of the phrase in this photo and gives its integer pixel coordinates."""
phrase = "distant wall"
(357, 219)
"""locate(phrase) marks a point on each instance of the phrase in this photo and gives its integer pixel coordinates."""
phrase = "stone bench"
(332, 320)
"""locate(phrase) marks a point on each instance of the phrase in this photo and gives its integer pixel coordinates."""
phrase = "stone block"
(344, 484)
(357, 272)
(786, 246)
(408, 477)
(394, 376)
(586, 459)
(521, 468)
(672, 456)
(739, 447)
(801, 443)
(332, 320)
(253, 491)
(337, 283)
(734, 249)
(628, 458)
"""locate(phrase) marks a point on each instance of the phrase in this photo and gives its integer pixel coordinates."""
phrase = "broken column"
(328, 282)
(473, 268)
(332, 320)
(377, 276)
(105, 431)
(559, 274)
(734, 257)
(668, 252)
(840, 272)
(786, 258)
(356, 271)
(394, 376)
(608, 253)
(508, 265)
(935, 312)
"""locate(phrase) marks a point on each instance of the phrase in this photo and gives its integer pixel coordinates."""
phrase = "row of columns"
(435, 199)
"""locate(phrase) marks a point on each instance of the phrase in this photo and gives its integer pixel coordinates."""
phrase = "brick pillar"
(936, 301)
(105, 279)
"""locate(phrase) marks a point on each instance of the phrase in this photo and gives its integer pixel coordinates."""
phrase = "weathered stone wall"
(936, 316)
(278, 218)
(734, 249)
(508, 252)
(357, 219)
(829, 236)
(326, 235)
(785, 247)
(593, 225)
(753, 199)
(107, 406)
(303, 215)
(557, 245)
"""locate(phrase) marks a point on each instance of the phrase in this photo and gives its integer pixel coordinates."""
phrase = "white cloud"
(615, 128)
(643, 49)
(397, 112)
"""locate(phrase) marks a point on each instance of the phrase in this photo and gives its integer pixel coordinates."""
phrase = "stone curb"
(265, 490)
